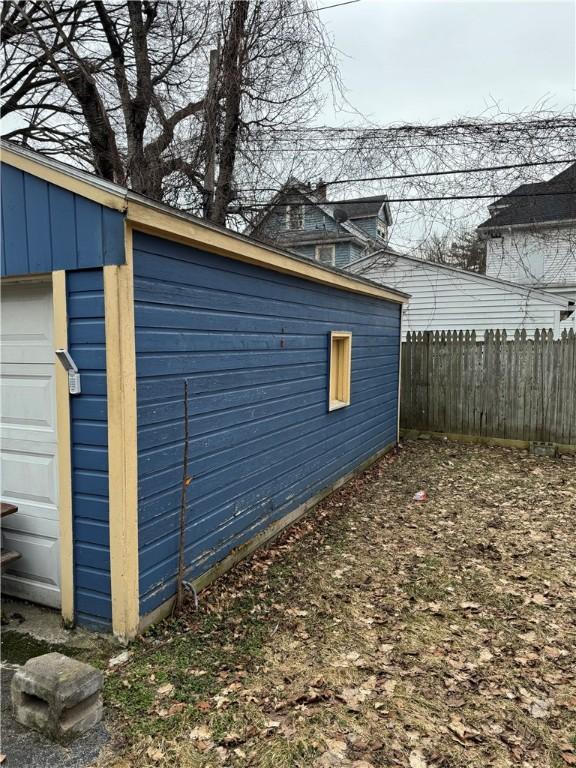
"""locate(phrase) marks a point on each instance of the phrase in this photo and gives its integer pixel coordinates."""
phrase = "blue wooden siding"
(253, 345)
(314, 219)
(89, 426)
(45, 227)
(346, 251)
(368, 224)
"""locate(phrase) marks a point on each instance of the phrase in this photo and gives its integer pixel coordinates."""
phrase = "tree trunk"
(232, 91)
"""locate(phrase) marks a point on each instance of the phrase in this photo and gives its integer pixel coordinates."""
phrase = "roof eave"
(184, 227)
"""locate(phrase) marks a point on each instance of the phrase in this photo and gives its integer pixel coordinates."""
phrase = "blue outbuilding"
(200, 377)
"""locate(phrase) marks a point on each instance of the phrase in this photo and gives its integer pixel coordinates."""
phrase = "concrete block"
(58, 696)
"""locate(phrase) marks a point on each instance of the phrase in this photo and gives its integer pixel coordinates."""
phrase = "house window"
(340, 369)
(294, 217)
(326, 254)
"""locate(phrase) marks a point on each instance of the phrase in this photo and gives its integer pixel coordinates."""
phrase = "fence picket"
(502, 386)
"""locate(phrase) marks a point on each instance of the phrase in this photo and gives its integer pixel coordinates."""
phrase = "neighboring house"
(445, 298)
(301, 219)
(280, 375)
(531, 235)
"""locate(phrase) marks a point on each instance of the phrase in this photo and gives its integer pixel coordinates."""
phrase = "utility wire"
(331, 182)
(423, 199)
(322, 8)
(543, 123)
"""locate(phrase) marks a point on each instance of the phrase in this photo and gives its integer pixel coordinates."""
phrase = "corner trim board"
(122, 443)
(65, 520)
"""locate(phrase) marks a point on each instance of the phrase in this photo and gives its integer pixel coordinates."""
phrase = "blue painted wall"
(45, 227)
(253, 345)
(345, 252)
(89, 426)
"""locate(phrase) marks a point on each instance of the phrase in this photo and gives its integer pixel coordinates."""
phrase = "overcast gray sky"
(435, 60)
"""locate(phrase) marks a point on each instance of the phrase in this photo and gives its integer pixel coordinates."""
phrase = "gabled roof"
(363, 207)
(355, 208)
(552, 201)
(551, 298)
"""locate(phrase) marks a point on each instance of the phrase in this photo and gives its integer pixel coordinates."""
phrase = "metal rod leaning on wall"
(186, 480)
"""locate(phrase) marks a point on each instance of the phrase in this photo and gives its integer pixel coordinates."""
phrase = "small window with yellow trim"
(340, 369)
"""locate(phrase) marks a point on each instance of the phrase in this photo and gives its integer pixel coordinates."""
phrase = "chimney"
(321, 190)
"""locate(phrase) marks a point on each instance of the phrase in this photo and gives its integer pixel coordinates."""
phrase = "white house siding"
(445, 299)
(539, 257)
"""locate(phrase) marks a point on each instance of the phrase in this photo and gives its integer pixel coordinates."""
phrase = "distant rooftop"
(540, 208)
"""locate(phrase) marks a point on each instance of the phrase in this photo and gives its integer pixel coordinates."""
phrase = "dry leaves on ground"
(390, 632)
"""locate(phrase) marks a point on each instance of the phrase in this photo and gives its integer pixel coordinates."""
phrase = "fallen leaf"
(417, 760)
(539, 599)
(155, 754)
(165, 690)
(485, 655)
(389, 687)
(539, 709)
(201, 732)
(122, 658)
(362, 764)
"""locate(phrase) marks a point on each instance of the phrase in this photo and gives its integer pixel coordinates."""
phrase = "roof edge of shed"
(157, 218)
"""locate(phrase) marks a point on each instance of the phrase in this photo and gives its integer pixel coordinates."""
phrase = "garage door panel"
(33, 520)
(27, 323)
(30, 589)
(29, 477)
(29, 445)
(28, 400)
(39, 559)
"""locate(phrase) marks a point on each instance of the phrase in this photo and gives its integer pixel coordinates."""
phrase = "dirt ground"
(380, 631)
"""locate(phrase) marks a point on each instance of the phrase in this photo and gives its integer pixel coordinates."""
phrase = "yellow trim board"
(64, 451)
(147, 218)
(340, 370)
(122, 444)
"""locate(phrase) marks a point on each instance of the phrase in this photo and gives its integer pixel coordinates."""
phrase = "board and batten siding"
(253, 347)
(446, 299)
(47, 228)
(89, 427)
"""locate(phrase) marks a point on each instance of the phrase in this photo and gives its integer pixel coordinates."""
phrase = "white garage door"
(29, 465)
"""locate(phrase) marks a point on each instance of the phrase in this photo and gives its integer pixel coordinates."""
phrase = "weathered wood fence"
(499, 386)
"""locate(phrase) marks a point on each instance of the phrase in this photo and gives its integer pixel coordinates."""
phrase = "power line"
(542, 123)
(424, 199)
(336, 5)
(423, 173)
(322, 8)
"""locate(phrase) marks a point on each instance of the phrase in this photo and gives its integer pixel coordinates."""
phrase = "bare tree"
(126, 88)
(465, 250)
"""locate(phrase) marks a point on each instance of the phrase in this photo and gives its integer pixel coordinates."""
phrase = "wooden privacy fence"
(500, 386)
